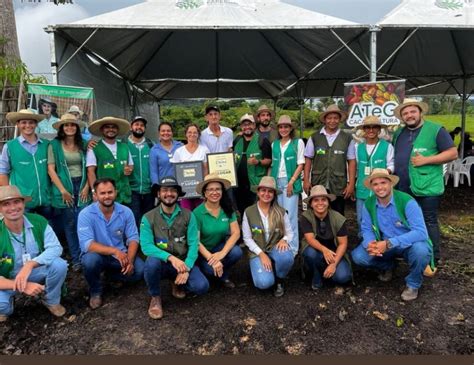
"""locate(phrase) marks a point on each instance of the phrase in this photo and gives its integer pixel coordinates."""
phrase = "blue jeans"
(155, 270)
(316, 264)
(429, 206)
(418, 255)
(228, 261)
(282, 261)
(141, 204)
(69, 221)
(290, 204)
(52, 276)
(94, 263)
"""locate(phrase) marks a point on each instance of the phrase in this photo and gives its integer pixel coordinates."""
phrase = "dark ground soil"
(368, 318)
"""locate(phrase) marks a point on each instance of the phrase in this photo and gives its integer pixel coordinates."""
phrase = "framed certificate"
(223, 164)
(188, 175)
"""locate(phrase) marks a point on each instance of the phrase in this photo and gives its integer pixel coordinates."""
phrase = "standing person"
(169, 237)
(67, 170)
(330, 158)
(287, 165)
(421, 149)
(372, 153)
(78, 113)
(162, 152)
(253, 157)
(48, 109)
(267, 233)
(218, 230)
(324, 244)
(140, 180)
(264, 118)
(24, 163)
(111, 158)
(30, 252)
(215, 137)
(109, 239)
(393, 226)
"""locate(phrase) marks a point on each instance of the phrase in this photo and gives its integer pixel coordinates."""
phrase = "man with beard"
(108, 237)
(109, 157)
(140, 181)
(169, 237)
(421, 149)
(253, 156)
(264, 118)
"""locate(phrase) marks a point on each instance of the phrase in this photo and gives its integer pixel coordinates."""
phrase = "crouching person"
(267, 232)
(324, 243)
(30, 261)
(393, 226)
(108, 237)
(169, 237)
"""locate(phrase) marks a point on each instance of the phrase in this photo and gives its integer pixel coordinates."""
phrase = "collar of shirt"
(323, 131)
(109, 144)
(171, 218)
(138, 144)
(208, 130)
(22, 140)
(378, 204)
(95, 209)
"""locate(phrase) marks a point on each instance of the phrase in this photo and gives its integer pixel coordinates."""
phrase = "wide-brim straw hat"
(8, 192)
(409, 102)
(212, 178)
(68, 118)
(122, 124)
(75, 109)
(380, 173)
(333, 109)
(266, 182)
(319, 190)
(264, 108)
(371, 120)
(24, 114)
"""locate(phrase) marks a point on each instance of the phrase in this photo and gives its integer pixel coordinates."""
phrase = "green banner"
(61, 91)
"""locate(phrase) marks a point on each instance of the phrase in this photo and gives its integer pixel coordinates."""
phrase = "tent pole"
(78, 49)
(301, 101)
(373, 53)
(463, 117)
(54, 65)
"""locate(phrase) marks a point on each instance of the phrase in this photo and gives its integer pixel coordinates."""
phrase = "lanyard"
(371, 153)
(22, 242)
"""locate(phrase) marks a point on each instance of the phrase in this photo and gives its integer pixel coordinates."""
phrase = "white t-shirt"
(183, 155)
(299, 156)
(91, 160)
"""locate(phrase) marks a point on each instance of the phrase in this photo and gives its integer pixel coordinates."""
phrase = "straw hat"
(284, 119)
(168, 181)
(408, 102)
(247, 117)
(371, 120)
(264, 108)
(212, 178)
(8, 192)
(68, 118)
(24, 114)
(319, 190)
(380, 173)
(75, 109)
(266, 182)
(96, 125)
(333, 109)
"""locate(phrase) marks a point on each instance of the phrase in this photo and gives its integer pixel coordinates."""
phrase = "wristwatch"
(389, 244)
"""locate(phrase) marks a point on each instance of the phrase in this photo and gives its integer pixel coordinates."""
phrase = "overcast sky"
(31, 18)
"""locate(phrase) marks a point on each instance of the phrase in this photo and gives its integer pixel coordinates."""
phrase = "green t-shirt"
(213, 231)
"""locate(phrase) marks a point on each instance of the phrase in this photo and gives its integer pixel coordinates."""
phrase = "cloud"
(31, 19)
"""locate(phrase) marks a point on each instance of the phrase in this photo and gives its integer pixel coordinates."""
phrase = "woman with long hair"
(192, 151)
(67, 170)
(287, 164)
(162, 152)
(218, 230)
(267, 233)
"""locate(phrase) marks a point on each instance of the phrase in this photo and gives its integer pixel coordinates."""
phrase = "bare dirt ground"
(367, 318)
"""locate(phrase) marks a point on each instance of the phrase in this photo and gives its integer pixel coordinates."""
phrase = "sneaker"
(155, 310)
(228, 284)
(95, 301)
(177, 291)
(409, 294)
(385, 276)
(279, 290)
(3, 318)
(56, 310)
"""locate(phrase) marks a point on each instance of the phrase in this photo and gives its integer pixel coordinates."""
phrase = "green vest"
(258, 231)
(400, 200)
(108, 166)
(7, 253)
(425, 180)
(30, 172)
(377, 160)
(255, 172)
(329, 163)
(291, 159)
(170, 239)
(140, 180)
(62, 171)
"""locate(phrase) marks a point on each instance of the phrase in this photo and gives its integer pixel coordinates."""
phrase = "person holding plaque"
(267, 233)
(218, 230)
(192, 151)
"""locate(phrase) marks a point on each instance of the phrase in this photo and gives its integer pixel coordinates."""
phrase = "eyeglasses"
(214, 190)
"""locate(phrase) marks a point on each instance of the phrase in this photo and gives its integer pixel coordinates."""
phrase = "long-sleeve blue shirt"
(160, 165)
(391, 225)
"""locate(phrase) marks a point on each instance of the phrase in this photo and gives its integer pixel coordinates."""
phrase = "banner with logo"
(373, 98)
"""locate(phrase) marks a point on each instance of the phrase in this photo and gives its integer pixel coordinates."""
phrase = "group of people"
(114, 197)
